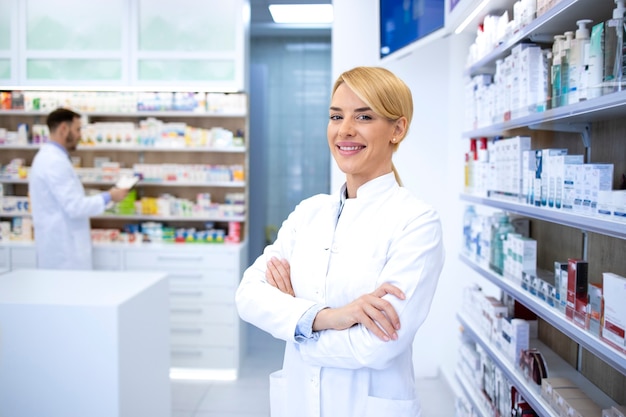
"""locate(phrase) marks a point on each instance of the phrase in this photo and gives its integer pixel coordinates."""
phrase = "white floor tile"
(249, 395)
(187, 395)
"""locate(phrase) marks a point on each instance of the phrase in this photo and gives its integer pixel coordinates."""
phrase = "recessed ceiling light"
(302, 13)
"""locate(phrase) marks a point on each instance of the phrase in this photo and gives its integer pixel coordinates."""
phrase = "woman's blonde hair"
(385, 93)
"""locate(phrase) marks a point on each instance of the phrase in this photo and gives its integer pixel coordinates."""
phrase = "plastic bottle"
(578, 51)
(503, 228)
(565, 62)
(614, 50)
(468, 217)
(595, 61)
(556, 70)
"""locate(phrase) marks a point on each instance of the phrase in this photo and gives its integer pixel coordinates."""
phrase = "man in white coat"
(60, 208)
(351, 276)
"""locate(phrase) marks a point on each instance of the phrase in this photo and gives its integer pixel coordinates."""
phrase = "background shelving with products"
(202, 277)
(595, 128)
(220, 164)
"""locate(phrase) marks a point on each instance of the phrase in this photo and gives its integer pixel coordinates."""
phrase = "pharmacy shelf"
(559, 19)
(135, 114)
(530, 391)
(472, 394)
(601, 349)
(216, 184)
(133, 148)
(573, 117)
(11, 215)
(153, 217)
(587, 223)
(13, 181)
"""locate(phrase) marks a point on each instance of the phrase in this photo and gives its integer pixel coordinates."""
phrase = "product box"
(614, 324)
(557, 177)
(582, 407)
(619, 205)
(562, 396)
(548, 385)
(594, 308)
(547, 157)
(537, 182)
(514, 336)
(597, 177)
(577, 291)
(528, 176)
(572, 187)
(560, 285)
(493, 311)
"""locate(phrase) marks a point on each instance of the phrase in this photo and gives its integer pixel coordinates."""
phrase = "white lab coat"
(383, 235)
(60, 211)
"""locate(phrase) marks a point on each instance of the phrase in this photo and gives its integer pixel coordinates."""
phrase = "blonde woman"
(351, 276)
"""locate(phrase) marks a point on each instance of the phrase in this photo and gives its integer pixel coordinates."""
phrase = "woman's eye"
(364, 117)
(335, 117)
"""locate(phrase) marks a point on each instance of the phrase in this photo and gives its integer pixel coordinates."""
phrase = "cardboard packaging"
(577, 291)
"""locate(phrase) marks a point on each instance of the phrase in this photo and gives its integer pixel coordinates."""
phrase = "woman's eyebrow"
(360, 109)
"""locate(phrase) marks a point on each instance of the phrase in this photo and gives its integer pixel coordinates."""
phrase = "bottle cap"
(618, 12)
(583, 30)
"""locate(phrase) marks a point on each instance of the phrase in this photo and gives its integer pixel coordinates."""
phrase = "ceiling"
(261, 23)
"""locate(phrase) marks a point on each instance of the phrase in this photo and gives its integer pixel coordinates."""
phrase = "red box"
(577, 291)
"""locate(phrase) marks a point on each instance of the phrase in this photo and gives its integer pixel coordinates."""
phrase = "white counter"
(84, 343)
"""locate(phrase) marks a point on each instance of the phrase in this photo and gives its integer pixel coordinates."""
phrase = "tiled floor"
(249, 397)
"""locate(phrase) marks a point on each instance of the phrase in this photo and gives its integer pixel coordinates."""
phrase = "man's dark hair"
(59, 116)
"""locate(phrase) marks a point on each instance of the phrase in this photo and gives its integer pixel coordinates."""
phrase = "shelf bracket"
(584, 129)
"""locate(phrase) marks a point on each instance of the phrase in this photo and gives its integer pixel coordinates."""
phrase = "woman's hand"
(370, 310)
(278, 274)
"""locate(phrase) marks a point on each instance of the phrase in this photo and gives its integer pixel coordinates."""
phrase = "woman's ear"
(400, 128)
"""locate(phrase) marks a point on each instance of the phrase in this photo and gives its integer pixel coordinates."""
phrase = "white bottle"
(595, 62)
(613, 49)
(565, 62)
(577, 61)
(555, 70)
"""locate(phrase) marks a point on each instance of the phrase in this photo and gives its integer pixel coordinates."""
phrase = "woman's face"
(359, 139)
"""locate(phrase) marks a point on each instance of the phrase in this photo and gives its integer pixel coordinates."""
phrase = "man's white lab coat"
(60, 211)
(383, 235)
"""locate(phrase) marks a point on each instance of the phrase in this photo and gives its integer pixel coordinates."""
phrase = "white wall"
(430, 159)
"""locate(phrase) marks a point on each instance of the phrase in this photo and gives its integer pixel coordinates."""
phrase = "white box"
(598, 177)
(85, 343)
(619, 205)
(548, 185)
(514, 337)
(614, 324)
(572, 187)
(557, 177)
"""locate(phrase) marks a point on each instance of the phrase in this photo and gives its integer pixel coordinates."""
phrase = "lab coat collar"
(59, 147)
(372, 188)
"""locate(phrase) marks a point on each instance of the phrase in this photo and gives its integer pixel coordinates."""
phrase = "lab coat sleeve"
(263, 305)
(414, 262)
(69, 193)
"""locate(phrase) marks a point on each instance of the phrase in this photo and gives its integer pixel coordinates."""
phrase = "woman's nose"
(346, 128)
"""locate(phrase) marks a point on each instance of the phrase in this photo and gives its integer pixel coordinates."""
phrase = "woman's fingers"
(278, 274)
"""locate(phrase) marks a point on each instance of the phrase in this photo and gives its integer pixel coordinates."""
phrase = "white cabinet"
(205, 330)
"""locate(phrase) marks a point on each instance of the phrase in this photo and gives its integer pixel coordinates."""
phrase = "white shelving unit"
(531, 392)
(603, 350)
(205, 329)
(587, 223)
(573, 118)
(473, 394)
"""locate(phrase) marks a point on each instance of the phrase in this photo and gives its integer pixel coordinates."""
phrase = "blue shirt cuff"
(106, 196)
(304, 328)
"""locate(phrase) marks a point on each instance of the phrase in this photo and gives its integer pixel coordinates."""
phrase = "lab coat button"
(335, 248)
